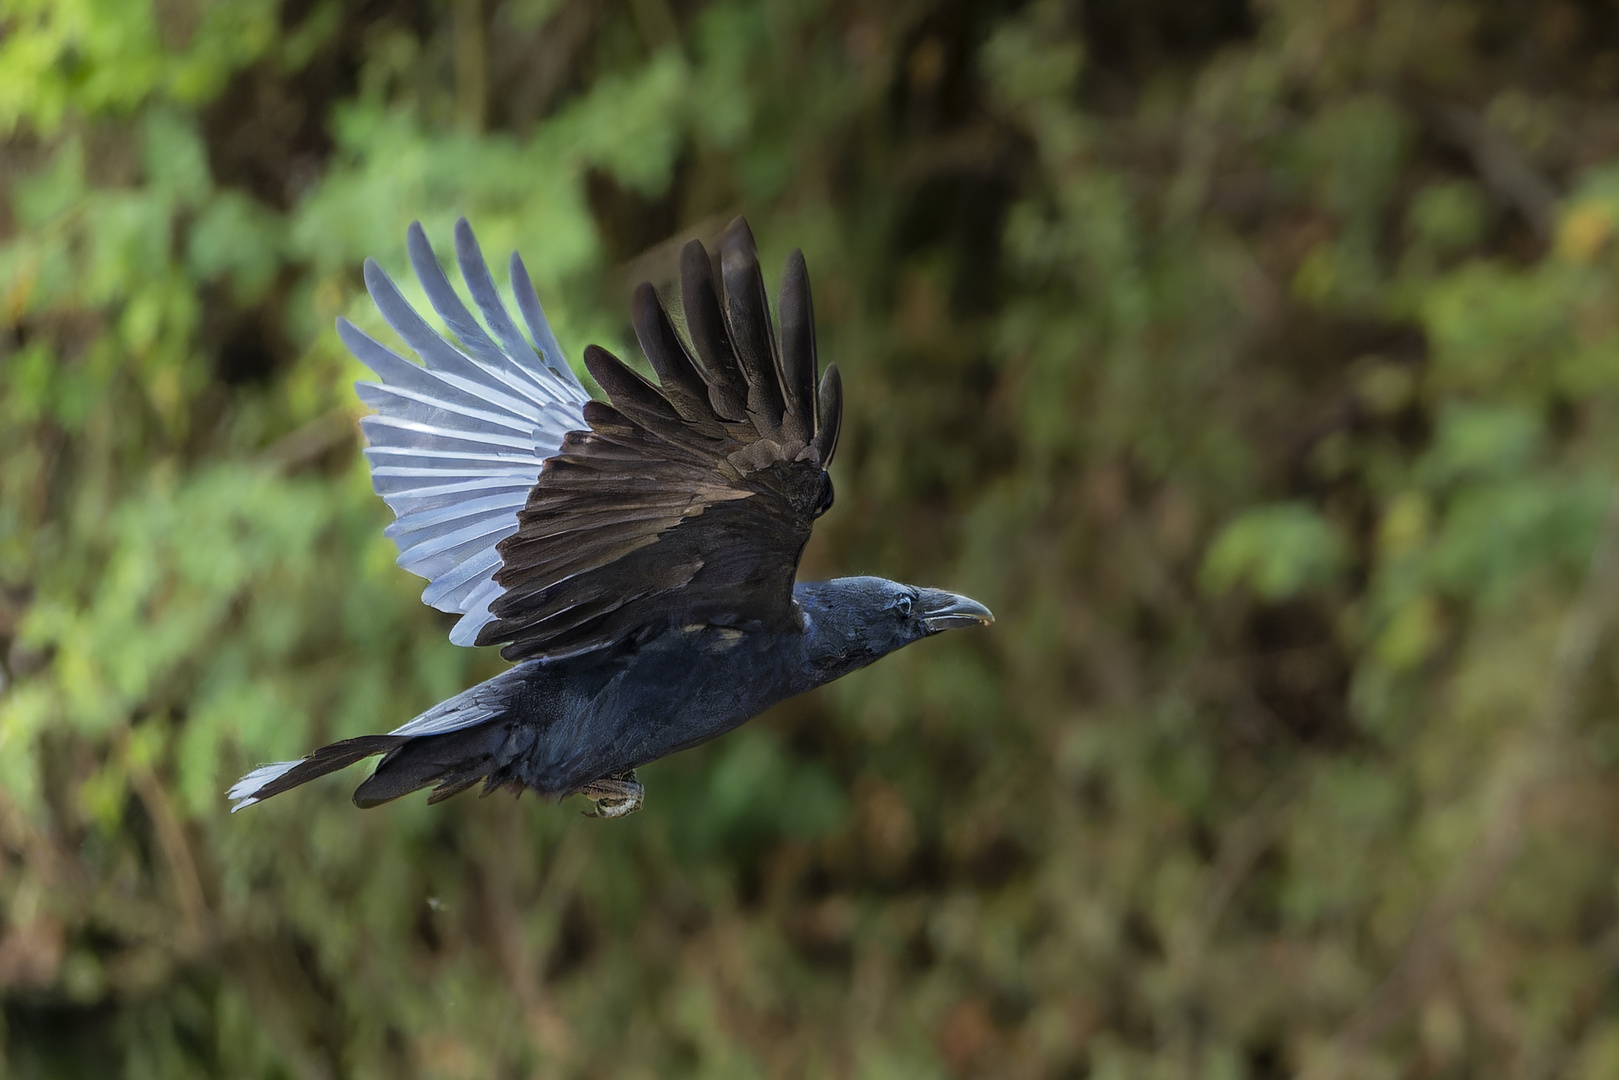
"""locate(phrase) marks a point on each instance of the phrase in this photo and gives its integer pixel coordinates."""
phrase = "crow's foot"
(614, 795)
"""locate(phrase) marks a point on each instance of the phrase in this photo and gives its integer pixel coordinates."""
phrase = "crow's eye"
(903, 606)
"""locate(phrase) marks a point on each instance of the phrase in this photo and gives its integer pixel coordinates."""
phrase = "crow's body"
(636, 556)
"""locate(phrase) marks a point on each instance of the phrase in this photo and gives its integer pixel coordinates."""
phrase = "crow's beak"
(946, 611)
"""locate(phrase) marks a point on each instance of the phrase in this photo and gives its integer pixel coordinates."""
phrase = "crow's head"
(853, 621)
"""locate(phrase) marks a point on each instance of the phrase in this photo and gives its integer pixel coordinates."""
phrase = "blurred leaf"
(235, 235)
(1477, 442)
(1450, 215)
(1278, 551)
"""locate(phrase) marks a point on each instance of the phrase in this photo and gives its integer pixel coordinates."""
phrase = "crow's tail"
(453, 762)
(453, 745)
(279, 776)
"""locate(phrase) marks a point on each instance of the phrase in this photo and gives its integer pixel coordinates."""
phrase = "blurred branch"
(177, 854)
(471, 66)
(306, 445)
(1248, 839)
(1522, 771)
(656, 23)
(1500, 164)
(534, 68)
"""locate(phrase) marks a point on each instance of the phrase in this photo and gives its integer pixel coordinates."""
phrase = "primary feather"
(456, 445)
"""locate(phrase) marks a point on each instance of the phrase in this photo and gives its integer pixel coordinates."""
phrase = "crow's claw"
(614, 796)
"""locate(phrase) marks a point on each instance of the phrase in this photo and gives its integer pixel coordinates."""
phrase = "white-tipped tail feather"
(244, 792)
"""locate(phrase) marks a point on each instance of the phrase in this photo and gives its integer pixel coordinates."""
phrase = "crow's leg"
(614, 795)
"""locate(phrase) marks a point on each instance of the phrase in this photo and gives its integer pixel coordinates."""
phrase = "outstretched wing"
(688, 501)
(456, 445)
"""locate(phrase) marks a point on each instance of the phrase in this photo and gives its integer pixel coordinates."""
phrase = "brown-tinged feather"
(634, 397)
(700, 304)
(797, 313)
(687, 501)
(678, 375)
(747, 313)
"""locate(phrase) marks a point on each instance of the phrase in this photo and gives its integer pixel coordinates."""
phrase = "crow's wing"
(457, 445)
(689, 501)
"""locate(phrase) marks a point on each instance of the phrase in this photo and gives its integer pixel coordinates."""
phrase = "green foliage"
(1280, 551)
(1255, 363)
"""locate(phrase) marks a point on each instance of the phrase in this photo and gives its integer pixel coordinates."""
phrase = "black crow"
(636, 556)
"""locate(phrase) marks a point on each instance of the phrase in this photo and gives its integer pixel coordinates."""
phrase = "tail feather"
(453, 762)
(454, 744)
(279, 776)
(449, 788)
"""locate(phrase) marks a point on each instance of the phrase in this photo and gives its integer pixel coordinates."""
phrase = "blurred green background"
(1256, 360)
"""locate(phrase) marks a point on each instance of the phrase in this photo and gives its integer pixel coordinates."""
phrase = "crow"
(635, 556)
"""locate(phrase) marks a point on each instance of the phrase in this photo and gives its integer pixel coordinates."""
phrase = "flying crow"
(635, 556)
